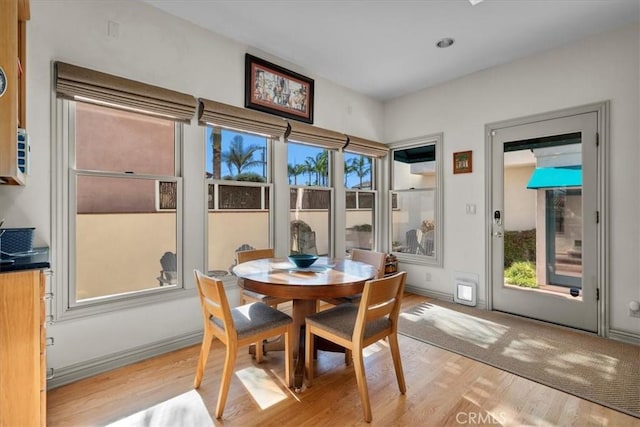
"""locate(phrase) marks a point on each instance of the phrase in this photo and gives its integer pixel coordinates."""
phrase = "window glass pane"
(238, 218)
(309, 220)
(359, 232)
(308, 165)
(122, 141)
(240, 197)
(238, 215)
(358, 171)
(121, 238)
(415, 201)
(235, 155)
(413, 222)
(414, 167)
(365, 200)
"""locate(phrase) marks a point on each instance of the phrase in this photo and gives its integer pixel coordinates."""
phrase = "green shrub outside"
(519, 246)
(363, 227)
(522, 273)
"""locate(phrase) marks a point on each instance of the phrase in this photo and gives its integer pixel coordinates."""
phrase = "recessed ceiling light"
(446, 42)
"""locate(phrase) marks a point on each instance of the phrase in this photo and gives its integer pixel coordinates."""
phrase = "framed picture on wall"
(463, 162)
(272, 89)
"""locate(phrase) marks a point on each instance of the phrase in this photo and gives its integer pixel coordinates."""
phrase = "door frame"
(602, 110)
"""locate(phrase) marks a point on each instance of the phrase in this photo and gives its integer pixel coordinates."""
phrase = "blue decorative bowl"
(303, 260)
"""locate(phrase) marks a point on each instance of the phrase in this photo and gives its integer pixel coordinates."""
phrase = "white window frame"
(63, 225)
(437, 260)
(331, 179)
(217, 182)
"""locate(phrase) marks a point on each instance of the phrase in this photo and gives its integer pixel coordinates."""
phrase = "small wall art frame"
(273, 89)
(463, 162)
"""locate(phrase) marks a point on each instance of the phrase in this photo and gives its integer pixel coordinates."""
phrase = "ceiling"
(385, 48)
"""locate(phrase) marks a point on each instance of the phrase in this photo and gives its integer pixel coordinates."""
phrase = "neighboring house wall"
(519, 202)
(600, 68)
(111, 149)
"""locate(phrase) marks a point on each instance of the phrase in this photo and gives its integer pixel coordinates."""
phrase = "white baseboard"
(623, 336)
(72, 373)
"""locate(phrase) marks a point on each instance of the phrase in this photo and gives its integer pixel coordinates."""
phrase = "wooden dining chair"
(247, 296)
(237, 327)
(376, 259)
(355, 327)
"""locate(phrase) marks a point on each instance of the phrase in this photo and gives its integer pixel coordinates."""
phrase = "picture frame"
(275, 90)
(463, 162)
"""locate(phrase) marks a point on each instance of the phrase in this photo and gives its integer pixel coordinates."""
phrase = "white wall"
(156, 48)
(605, 67)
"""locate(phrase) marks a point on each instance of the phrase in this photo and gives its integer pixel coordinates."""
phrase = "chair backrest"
(169, 261)
(411, 237)
(307, 243)
(214, 303)
(250, 255)
(427, 243)
(376, 259)
(380, 298)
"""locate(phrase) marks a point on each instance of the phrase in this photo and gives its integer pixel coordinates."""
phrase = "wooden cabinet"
(13, 60)
(22, 349)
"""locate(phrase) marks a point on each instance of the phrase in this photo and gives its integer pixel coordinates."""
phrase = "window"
(310, 199)
(360, 202)
(237, 174)
(416, 200)
(124, 204)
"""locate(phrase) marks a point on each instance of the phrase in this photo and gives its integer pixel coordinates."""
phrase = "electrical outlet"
(427, 276)
(113, 29)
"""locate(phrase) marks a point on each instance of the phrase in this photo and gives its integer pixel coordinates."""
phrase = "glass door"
(544, 232)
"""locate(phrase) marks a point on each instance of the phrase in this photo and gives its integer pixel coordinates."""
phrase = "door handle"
(498, 234)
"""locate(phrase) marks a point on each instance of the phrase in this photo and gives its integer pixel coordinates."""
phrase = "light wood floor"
(443, 389)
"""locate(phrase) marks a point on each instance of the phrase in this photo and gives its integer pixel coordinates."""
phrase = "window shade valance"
(72, 81)
(217, 113)
(324, 138)
(366, 147)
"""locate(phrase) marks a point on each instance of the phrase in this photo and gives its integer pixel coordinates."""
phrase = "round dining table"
(326, 278)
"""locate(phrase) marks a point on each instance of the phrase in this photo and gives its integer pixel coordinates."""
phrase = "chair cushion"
(253, 318)
(341, 320)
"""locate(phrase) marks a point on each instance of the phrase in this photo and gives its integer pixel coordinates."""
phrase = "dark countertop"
(37, 259)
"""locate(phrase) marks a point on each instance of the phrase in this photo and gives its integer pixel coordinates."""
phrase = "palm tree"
(293, 171)
(239, 157)
(290, 171)
(309, 168)
(216, 145)
(361, 166)
(320, 166)
(348, 170)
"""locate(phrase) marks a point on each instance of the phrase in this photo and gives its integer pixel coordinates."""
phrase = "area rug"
(187, 409)
(603, 371)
